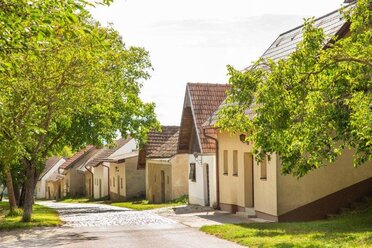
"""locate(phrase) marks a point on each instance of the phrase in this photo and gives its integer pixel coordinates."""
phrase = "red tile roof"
(156, 143)
(76, 157)
(204, 99)
(167, 149)
(105, 152)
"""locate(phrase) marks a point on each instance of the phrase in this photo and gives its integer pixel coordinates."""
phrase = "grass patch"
(351, 230)
(75, 200)
(41, 216)
(140, 204)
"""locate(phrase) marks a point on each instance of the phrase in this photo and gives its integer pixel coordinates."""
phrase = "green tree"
(72, 84)
(311, 106)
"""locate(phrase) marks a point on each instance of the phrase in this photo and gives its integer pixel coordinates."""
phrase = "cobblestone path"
(97, 215)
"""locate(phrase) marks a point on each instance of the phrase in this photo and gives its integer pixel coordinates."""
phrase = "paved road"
(96, 225)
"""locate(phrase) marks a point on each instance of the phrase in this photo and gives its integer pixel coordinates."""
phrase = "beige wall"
(88, 184)
(100, 181)
(117, 170)
(135, 179)
(154, 169)
(232, 187)
(293, 193)
(179, 178)
(234, 190)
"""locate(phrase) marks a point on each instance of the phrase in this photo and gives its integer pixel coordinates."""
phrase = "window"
(192, 175)
(264, 169)
(225, 164)
(235, 162)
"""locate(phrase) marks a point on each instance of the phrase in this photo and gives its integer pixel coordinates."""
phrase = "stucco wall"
(119, 189)
(233, 187)
(135, 179)
(293, 193)
(100, 175)
(198, 190)
(88, 184)
(41, 184)
(154, 169)
(77, 183)
(179, 178)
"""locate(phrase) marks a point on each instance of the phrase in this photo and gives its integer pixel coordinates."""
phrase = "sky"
(194, 40)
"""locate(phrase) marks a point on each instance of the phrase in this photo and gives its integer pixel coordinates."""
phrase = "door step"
(248, 213)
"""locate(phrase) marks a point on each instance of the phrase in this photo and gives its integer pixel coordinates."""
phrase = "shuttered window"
(235, 162)
(225, 162)
(192, 175)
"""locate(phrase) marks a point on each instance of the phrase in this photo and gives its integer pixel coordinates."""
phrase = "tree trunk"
(16, 193)
(30, 184)
(9, 185)
(22, 196)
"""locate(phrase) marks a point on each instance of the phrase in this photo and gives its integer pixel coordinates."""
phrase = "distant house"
(126, 180)
(166, 171)
(71, 180)
(51, 166)
(106, 172)
(200, 101)
(260, 189)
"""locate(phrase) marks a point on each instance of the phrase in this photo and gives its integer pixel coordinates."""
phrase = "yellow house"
(260, 189)
(166, 171)
(250, 188)
(112, 172)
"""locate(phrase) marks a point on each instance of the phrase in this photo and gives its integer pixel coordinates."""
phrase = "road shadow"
(30, 238)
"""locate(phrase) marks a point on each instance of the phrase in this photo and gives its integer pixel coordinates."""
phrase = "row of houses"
(213, 167)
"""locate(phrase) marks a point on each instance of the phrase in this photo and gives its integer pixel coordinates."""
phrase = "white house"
(201, 100)
(51, 166)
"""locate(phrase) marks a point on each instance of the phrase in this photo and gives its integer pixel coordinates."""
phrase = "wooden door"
(162, 182)
(100, 188)
(248, 180)
(118, 181)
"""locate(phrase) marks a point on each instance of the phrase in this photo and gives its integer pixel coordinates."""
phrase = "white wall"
(198, 193)
(41, 184)
(100, 173)
(127, 148)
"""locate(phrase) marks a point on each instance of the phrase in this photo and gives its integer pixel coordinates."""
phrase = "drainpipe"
(217, 170)
(92, 182)
(108, 181)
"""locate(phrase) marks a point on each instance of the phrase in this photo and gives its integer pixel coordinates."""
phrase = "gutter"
(85, 166)
(217, 169)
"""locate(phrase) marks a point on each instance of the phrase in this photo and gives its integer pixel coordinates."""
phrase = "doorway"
(248, 180)
(162, 183)
(118, 184)
(100, 188)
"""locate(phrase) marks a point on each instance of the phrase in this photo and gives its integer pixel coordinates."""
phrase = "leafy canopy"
(66, 81)
(312, 105)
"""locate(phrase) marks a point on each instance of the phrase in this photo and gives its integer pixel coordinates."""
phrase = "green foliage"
(66, 81)
(312, 105)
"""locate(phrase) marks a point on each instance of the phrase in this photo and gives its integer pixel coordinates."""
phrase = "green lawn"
(41, 216)
(351, 230)
(75, 200)
(145, 205)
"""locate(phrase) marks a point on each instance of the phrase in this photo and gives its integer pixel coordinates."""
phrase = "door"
(162, 182)
(89, 187)
(118, 186)
(100, 188)
(48, 192)
(207, 182)
(248, 180)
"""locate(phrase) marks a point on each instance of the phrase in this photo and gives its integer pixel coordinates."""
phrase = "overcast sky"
(194, 40)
